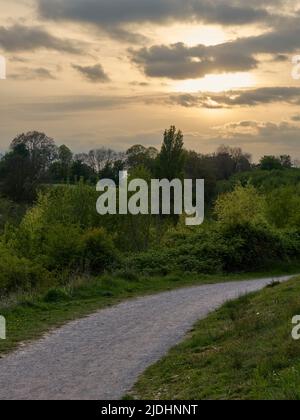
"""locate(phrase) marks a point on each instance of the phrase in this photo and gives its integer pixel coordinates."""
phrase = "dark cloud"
(236, 98)
(178, 61)
(94, 74)
(40, 73)
(296, 118)
(116, 15)
(23, 38)
(281, 133)
(280, 58)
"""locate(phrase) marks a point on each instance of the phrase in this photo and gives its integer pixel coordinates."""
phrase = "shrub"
(61, 247)
(253, 247)
(127, 274)
(98, 251)
(243, 205)
(19, 273)
(216, 248)
(56, 295)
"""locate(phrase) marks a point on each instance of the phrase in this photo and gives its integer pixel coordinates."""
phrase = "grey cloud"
(114, 15)
(24, 38)
(178, 61)
(236, 98)
(94, 74)
(282, 133)
(133, 11)
(40, 73)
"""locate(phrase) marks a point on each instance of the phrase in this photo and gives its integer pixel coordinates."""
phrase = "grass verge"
(243, 351)
(29, 317)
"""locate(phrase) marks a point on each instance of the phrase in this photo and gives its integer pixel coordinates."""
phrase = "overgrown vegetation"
(244, 351)
(52, 233)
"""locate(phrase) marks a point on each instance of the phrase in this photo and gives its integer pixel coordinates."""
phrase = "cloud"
(18, 38)
(236, 98)
(116, 15)
(179, 61)
(133, 11)
(281, 133)
(94, 74)
(296, 118)
(39, 73)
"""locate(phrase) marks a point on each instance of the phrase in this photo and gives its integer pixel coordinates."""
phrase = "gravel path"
(101, 356)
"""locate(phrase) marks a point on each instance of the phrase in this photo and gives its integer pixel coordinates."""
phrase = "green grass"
(28, 317)
(243, 351)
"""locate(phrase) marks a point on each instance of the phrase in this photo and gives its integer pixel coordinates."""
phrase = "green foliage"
(216, 248)
(66, 204)
(270, 163)
(56, 295)
(19, 273)
(257, 213)
(243, 205)
(10, 212)
(98, 251)
(171, 157)
(283, 207)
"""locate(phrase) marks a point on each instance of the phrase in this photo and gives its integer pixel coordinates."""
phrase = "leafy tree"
(286, 161)
(270, 163)
(243, 205)
(18, 180)
(139, 155)
(201, 167)
(172, 157)
(111, 170)
(229, 161)
(80, 170)
(283, 207)
(41, 148)
(60, 170)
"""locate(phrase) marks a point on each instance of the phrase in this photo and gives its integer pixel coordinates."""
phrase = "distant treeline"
(34, 159)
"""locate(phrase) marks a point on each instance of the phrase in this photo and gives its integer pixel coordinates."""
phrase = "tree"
(241, 206)
(111, 171)
(286, 161)
(80, 170)
(270, 163)
(17, 181)
(42, 151)
(65, 155)
(231, 160)
(170, 161)
(139, 156)
(60, 170)
(199, 166)
(98, 159)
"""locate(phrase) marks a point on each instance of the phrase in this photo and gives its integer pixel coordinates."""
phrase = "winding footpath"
(102, 355)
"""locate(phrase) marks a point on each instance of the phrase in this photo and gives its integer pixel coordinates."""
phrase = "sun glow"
(216, 83)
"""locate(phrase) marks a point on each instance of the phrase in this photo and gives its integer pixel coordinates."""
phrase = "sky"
(115, 73)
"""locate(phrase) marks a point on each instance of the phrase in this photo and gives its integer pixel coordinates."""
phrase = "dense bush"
(19, 273)
(63, 235)
(216, 248)
(98, 251)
